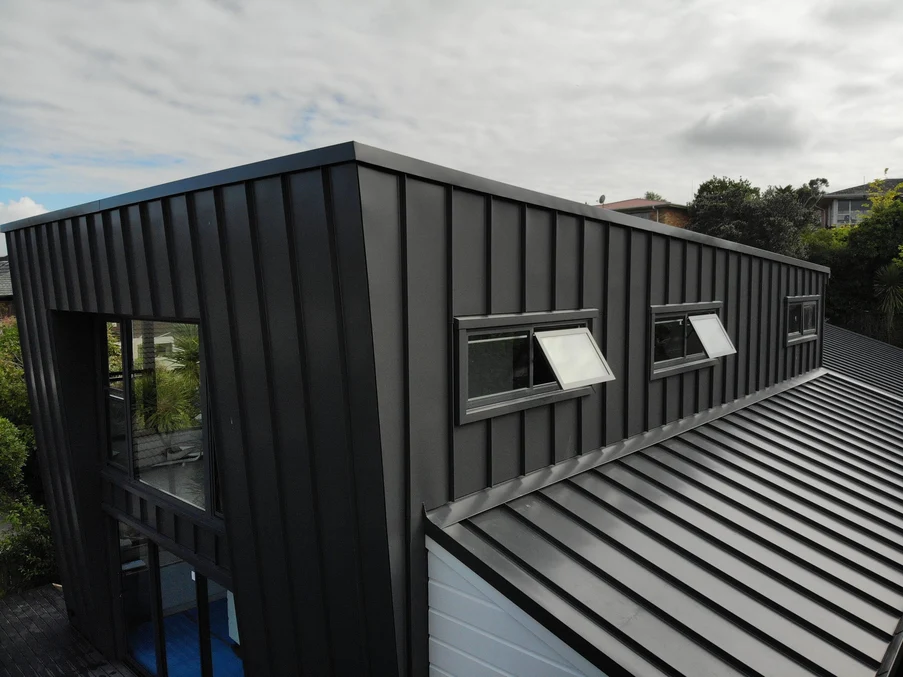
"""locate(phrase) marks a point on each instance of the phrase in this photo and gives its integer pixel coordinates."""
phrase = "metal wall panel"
(471, 253)
(274, 270)
(327, 295)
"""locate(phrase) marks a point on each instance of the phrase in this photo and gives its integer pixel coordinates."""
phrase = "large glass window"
(114, 392)
(173, 615)
(167, 423)
(156, 407)
(136, 585)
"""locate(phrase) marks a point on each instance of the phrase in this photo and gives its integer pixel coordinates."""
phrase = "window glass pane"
(542, 370)
(167, 431)
(497, 363)
(115, 397)
(669, 339)
(694, 345)
(809, 316)
(225, 642)
(178, 595)
(712, 335)
(135, 582)
(574, 357)
(795, 319)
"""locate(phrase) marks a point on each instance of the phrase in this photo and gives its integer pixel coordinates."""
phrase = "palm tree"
(889, 292)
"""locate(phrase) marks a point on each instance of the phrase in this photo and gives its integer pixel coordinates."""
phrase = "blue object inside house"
(183, 656)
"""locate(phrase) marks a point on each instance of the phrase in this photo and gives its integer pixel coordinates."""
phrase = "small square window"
(712, 335)
(687, 336)
(802, 319)
(574, 357)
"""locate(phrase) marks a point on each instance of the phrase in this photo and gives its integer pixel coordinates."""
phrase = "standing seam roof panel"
(756, 544)
(876, 363)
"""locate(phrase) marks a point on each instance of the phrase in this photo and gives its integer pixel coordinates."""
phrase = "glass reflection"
(115, 397)
(167, 432)
(498, 363)
(137, 598)
(181, 632)
(669, 339)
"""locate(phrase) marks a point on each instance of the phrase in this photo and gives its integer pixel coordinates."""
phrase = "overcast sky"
(576, 98)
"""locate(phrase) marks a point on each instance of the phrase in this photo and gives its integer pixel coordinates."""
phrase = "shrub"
(13, 455)
(26, 550)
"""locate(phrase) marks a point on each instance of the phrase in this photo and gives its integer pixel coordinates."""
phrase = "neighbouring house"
(438, 425)
(659, 211)
(7, 308)
(843, 207)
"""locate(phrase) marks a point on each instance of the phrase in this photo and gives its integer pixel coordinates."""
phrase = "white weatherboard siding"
(475, 631)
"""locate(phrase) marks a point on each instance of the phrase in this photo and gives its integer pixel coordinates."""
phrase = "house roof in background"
(639, 203)
(862, 190)
(765, 542)
(6, 281)
(863, 358)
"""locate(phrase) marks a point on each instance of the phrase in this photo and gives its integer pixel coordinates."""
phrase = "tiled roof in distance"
(766, 542)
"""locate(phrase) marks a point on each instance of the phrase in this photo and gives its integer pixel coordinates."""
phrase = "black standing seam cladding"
(326, 284)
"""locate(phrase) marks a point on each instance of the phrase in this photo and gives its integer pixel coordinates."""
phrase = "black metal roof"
(766, 542)
(863, 358)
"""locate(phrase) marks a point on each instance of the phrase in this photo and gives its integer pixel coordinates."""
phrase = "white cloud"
(15, 210)
(598, 98)
(762, 123)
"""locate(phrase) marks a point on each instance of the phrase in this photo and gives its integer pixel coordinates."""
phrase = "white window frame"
(562, 382)
(713, 351)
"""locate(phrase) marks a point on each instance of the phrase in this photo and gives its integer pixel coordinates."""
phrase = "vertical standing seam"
(240, 388)
(346, 404)
(263, 316)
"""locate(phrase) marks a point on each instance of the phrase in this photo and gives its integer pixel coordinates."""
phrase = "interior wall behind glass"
(225, 641)
(167, 430)
(137, 597)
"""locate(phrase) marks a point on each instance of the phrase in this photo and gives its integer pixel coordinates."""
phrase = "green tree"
(866, 264)
(776, 219)
(13, 455)
(652, 195)
(13, 392)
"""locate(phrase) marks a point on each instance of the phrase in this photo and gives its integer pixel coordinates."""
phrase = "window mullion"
(125, 330)
(153, 556)
(206, 651)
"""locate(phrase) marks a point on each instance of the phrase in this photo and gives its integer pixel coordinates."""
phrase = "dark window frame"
(125, 474)
(804, 335)
(468, 410)
(201, 579)
(679, 365)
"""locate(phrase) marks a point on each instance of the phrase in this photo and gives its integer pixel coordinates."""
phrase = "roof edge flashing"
(354, 151)
(487, 499)
(294, 162)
